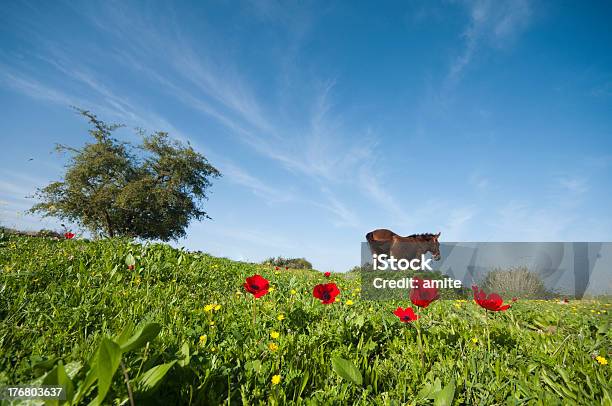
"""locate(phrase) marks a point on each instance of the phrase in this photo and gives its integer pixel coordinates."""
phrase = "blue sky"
(485, 120)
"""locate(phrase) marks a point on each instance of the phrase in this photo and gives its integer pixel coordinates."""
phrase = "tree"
(113, 188)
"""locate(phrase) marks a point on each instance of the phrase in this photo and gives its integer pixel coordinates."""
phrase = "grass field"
(64, 305)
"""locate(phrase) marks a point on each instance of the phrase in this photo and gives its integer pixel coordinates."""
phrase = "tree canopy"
(114, 188)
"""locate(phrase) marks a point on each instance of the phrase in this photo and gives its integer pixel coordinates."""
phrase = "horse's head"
(434, 247)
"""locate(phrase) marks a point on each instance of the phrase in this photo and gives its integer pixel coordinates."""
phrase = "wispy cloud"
(380, 194)
(574, 185)
(491, 24)
(34, 89)
(241, 177)
(479, 181)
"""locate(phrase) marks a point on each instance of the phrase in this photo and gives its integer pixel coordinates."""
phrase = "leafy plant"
(103, 366)
(115, 189)
(516, 282)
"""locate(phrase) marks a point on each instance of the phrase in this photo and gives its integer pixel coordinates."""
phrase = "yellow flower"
(371, 309)
(273, 346)
(212, 323)
(457, 305)
(475, 340)
(274, 334)
(217, 307)
(337, 300)
(280, 317)
(271, 289)
(601, 360)
(276, 379)
(349, 302)
(203, 339)
(208, 308)
(293, 291)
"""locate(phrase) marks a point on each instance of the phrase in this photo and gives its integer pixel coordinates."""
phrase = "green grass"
(60, 298)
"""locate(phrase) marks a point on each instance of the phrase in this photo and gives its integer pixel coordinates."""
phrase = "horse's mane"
(424, 236)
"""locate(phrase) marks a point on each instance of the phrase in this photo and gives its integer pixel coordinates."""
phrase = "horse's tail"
(369, 236)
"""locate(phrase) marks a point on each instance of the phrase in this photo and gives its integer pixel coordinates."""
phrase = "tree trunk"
(109, 225)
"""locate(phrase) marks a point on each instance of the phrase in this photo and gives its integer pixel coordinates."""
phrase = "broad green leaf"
(57, 376)
(73, 368)
(347, 370)
(125, 335)
(150, 379)
(109, 357)
(430, 389)
(140, 338)
(45, 366)
(254, 365)
(446, 395)
(426, 391)
(129, 260)
(184, 355)
(90, 378)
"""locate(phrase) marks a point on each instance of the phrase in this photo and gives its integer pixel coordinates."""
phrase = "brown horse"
(383, 241)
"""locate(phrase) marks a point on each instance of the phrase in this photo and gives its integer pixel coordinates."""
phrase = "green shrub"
(516, 282)
(294, 263)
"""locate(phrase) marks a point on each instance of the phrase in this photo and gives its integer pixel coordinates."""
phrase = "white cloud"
(492, 23)
(576, 186)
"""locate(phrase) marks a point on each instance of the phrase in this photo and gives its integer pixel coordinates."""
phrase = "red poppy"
(131, 267)
(492, 302)
(257, 285)
(326, 292)
(405, 315)
(286, 267)
(276, 268)
(327, 274)
(69, 235)
(423, 296)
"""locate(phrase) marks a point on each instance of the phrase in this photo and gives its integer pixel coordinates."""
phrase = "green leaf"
(347, 370)
(150, 379)
(109, 357)
(44, 366)
(140, 338)
(446, 395)
(126, 333)
(73, 368)
(430, 389)
(90, 378)
(58, 377)
(254, 365)
(184, 355)
(129, 260)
